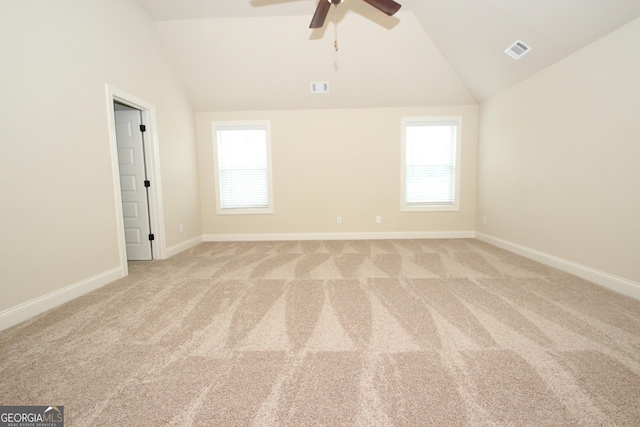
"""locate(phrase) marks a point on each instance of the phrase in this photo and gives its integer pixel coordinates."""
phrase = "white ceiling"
(260, 54)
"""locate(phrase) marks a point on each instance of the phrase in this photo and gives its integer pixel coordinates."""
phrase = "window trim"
(431, 120)
(244, 124)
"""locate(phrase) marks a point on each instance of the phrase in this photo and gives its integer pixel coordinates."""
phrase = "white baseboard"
(339, 236)
(174, 250)
(615, 283)
(29, 309)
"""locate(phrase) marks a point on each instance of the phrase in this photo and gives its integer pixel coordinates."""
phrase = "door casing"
(152, 159)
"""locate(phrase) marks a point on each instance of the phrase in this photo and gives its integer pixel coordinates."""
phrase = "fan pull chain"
(335, 43)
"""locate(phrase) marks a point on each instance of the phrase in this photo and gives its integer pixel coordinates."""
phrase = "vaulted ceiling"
(261, 54)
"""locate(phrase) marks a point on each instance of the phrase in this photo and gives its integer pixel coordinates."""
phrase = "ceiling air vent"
(517, 50)
(320, 87)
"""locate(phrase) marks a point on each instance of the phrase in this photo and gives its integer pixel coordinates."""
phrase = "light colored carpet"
(334, 333)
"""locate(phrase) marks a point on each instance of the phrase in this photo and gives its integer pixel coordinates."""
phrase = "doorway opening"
(136, 177)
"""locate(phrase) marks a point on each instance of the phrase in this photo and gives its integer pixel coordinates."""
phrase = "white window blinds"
(430, 165)
(243, 168)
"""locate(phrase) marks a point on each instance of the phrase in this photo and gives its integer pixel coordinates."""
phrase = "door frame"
(152, 161)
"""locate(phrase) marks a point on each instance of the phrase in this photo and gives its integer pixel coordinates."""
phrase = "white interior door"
(135, 207)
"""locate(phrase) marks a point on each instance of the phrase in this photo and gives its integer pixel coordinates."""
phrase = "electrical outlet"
(378, 219)
(181, 228)
(484, 219)
(339, 220)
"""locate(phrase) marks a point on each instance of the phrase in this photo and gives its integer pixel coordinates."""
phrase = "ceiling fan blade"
(389, 7)
(321, 14)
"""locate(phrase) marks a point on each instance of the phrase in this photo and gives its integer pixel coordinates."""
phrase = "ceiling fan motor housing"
(390, 7)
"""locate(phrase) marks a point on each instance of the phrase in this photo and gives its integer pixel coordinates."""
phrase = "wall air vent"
(517, 50)
(319, 87)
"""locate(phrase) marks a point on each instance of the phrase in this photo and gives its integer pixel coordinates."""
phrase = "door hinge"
(147, 183)
(151, 237)
(143, 128)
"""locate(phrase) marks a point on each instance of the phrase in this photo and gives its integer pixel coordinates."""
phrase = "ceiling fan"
(389, 7)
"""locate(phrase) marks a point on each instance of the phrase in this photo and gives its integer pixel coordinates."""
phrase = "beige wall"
(337, 162)
(559, 162)
(58, 211)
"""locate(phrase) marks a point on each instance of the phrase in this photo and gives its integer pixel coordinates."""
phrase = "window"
(242, 167)
(431, 164)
